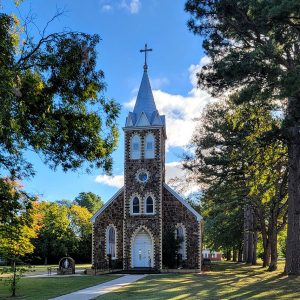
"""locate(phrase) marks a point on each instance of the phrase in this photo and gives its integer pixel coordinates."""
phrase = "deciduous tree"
(90, 201)
(52, 100)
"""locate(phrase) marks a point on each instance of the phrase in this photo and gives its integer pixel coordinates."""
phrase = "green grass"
(225, 281)
(40, 269)
(45, 288)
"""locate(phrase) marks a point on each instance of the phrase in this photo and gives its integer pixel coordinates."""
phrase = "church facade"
(139, 221)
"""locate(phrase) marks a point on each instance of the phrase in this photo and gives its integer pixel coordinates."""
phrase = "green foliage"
(17, 220)
(90, 201)
(54, 237)
(253, 44)
(170, 248)
(239, 163)
(64, 230)
(52, 101)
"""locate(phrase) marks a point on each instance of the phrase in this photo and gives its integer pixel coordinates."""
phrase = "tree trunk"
(228, 255)
(13, 284)
(273, 248)
(267, 251)
(234, 255)
(254, 256)
(240, 255)
(46, 260)
(293, 237)
(246, 233)
(266, 245)
(250, 246)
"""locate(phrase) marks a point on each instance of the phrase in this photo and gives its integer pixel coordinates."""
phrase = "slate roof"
(145, 106)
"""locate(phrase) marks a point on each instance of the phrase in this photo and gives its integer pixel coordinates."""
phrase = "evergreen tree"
(234, 159)
(254, 46)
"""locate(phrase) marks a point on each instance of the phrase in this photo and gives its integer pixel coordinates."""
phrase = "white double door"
(142, 251)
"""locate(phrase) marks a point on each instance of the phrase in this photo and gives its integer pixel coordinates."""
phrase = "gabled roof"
(143, 120)
(183, 202)
(114, 197)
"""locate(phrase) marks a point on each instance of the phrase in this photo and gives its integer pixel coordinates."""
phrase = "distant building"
(212, 255)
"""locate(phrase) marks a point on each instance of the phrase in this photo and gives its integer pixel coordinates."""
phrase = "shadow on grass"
(224, 281)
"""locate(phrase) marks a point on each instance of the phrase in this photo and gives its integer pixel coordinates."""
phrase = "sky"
(124, 27)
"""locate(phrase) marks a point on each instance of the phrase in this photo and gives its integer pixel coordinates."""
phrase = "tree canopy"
(52, 100)
(234, 159)
(90, 201)
(254, 48)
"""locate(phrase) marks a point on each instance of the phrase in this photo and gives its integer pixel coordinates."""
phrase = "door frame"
(136, 232)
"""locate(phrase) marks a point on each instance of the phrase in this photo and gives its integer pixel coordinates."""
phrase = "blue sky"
(124, 27)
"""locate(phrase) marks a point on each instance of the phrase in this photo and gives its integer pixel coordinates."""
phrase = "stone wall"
(112, 215)
(153, 187)
(174, 214)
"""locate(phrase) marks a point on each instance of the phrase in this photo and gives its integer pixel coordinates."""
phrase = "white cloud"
(157, 83)
(132, 6)
(106, 8)
(181, 111)
(113, 181)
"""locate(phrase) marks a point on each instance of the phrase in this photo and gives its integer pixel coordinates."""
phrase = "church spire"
(145, 112)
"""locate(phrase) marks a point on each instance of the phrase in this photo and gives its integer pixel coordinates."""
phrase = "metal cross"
(145, 50)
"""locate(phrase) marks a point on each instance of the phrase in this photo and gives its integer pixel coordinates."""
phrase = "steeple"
(145, 112)
(145, 101)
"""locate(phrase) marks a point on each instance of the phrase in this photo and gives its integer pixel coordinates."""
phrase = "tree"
(254, 47)
(170, 248)
(223, 224)
(64, 230)
(18, 227)
(80, 224)
(234, 159)
(52, 100)
(55, 237)
(17, 220)
(90, 201)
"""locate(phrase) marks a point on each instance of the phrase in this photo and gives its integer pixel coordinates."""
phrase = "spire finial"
(145, 50)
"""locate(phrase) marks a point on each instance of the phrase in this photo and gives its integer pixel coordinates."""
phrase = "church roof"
(145, 112)
(145, 101)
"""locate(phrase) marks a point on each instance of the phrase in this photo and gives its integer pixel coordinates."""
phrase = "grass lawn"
(41, 269)
(45, 288)
(226, 281)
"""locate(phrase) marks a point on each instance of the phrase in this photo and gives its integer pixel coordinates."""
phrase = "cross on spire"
(145, 50)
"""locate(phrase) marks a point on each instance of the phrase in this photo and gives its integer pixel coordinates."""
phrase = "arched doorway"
(142, 250)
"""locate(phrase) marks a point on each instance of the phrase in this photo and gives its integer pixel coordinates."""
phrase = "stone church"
(136, 223)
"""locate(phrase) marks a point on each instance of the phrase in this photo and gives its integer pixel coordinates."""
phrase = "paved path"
(78, 272)
(100, 289)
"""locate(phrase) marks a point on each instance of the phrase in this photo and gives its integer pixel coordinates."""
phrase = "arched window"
(149, 205)
(135, 205)
(180, 235)
(149, 146)
(136, 147)
(111, 241)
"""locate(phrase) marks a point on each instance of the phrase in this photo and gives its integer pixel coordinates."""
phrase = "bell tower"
(144, 175)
